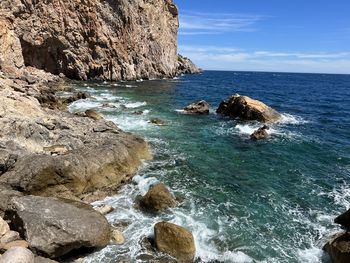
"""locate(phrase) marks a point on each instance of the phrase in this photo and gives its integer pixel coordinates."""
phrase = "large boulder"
(338, 248)
(260, 133)
(17, 255)
(199, 107)
(157, 199)
(175, 241)
(53, 227)
(344, 219)
(245, 108)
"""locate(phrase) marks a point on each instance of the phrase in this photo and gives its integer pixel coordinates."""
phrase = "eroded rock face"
(200, 107)
(245, 108)
(175, 241)
(111, 40)
(54, 227)
(157, 199)
(338, 248)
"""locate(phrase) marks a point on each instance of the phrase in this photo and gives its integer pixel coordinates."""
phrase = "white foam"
(83, 105)
(310, 255)
(130, 86)
(133, 105)
(291, 119)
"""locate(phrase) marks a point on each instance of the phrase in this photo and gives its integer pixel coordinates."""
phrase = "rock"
(7, 161)
(17, 255)
(9, 237)
(39, 259)
(104, 209)
(260, 133)
(157, 121)
(344, 219)
(186, 66)
(245, 108)
(4, 227)
(157, 199)
(108, 105)
(94, 115)
(54, 227)
(16, 243)
(339, 248)
(200, 107)
(175, 241)
(140, 112)
(56, 149)
(118, 237)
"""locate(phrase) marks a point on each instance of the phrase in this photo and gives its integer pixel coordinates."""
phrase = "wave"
(292, 119)
(133, 105)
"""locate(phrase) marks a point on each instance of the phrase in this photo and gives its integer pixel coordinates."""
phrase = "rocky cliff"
(95, 39)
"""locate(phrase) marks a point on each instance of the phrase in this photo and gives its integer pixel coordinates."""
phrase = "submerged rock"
(200, 107)
(260, 133)
(175, 241)
(245, 108)
(54, 227)
(157, 121)
(338, 248)
(157, 199)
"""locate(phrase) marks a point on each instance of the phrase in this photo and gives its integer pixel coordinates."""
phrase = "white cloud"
(226, 58)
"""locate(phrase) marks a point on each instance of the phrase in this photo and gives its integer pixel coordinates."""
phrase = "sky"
(266, 35)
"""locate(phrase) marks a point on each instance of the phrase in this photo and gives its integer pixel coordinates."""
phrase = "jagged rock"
(338, 248)
(118, 237)
(6, 194)
(9, 237)
(245, 108)
(186, 66)
(175, 241)
(94, 115)
(16, 243)
(344, 219)
(17, 255)
(157, 121)
(7, 161)
(200, 107)
(56, 149)
(54, 227)
(104, 209)
(4, 227)
(260, 133)
(157, 199)
(39, 259)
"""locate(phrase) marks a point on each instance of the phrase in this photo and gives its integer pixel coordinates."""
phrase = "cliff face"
(96, 39)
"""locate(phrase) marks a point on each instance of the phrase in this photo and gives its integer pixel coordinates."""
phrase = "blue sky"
(267, 35)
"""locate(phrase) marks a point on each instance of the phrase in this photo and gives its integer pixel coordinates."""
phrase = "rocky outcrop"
(157, 199)
(245, 108)
(54, 227)
(338, 248)
(200, 107)
(260, 133)
(109, 40)
(175, 241)
(343, 220)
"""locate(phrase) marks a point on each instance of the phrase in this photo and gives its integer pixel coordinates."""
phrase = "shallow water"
(245, 201)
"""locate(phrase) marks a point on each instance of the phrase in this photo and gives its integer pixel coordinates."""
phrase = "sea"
(272, 200)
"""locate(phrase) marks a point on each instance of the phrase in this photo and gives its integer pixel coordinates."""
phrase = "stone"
(344, 219)
(7, 161)
(245, 108)
(16, 243)
(17, 255)
(94, 115)
(118, 237)
(53, 227)
(39, 259)
(186, 66)
(9, 237)
(4, 227)
(175, 241)
(56, 149)
(104, 209)
(338, 248)
(200, 107)
(157, 199)
(260, 133)
(157, 121)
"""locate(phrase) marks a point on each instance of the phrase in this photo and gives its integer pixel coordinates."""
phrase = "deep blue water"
(245, 201)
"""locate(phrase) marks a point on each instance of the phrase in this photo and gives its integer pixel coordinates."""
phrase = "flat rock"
(54, 227)
(158, 198)
(175, 241)
(245, 108)
(17, 255)
(200, 107)
(104, 209)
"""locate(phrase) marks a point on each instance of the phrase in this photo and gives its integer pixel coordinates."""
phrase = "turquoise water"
(245, 201)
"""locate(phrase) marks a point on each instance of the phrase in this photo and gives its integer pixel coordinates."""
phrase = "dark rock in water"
(140, 112)
(245, 108)
(339, 248)
(53, 227)
(158, 198)
(260, 133)
(94, 115)
(157, 121)
(200, 107)
(108, 105)
(175, 241)
(76, 96)
(344, 219)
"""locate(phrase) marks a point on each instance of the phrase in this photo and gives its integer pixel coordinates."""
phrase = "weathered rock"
(245, 108)
(338, 248)
(175, 241)
(4, 227)
(260, 133)
(16, 243)
(157, 121)
(9, 237)
(157, 199)
(200, 107)
(186, 66)
(344, 219)
(94, 115)
(39, 259)
(17, 255)
(104, 209)
(56, 149)
(54, 227)
(118, 237)
(7, 161)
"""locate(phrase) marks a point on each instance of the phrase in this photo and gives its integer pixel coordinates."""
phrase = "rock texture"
(338, 248)
(175, 241)
(260, 133)
(17, 255)
(245, 108)
(157, 199)
(344, 219)
(200, 107)
(109, 40)
(54, 227)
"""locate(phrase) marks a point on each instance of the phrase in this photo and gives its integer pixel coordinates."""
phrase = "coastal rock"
(104, 209)
(339, 248)
(16, 243)
(186, 66)
(200, 107)
(175, 241)
(7, 161)
(54, 227)
(9, 237)
(344, 219)
(245, 108)
(39, 259)
(118, 237)
(157, 121)
(94, 115)
(157, 199)
(56, 149)
(260, 133)
(17, 255)
(4, 227)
